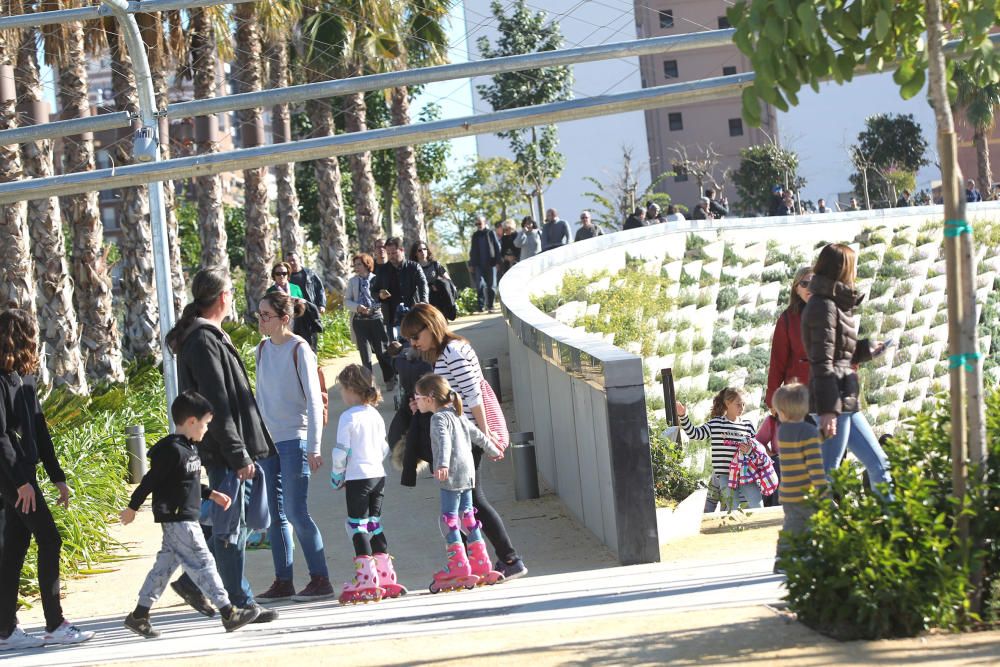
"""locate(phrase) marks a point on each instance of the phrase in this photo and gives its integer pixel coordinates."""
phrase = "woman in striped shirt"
(729, 434)
(456, 361)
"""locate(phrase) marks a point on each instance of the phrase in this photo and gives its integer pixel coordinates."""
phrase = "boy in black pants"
(174, 479)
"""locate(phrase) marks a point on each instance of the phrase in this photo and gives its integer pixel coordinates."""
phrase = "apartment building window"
(728, 70)
(724, 23)
(670, 69)
(736, 127)
(680, 174)
(675, 121)
(666, 18)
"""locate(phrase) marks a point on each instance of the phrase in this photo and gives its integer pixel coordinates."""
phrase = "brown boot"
(318, 588)
(281, 589)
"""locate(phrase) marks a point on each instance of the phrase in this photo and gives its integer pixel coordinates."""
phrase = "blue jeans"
(287, 477)
(230, 558)
(457, 504)
(719, 490)
(854, 434)
(484, 279)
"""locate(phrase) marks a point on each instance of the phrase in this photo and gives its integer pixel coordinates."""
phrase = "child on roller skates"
(174, 479)
(452, 438)
(357, 467)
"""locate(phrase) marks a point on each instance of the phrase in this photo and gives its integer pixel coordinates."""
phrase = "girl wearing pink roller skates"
(452, 438)
(357, 467)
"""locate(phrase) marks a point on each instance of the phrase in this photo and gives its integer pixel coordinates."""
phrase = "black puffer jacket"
(208, 363)
(832, 345)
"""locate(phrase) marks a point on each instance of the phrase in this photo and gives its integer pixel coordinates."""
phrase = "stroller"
(408, 434)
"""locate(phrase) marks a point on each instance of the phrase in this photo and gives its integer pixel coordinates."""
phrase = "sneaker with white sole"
(19, 639)
(511, 571)
(67, 633)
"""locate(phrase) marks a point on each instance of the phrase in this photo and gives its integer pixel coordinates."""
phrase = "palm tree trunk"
(362, 180)
(57, 321)
(211, 216)
(333, 232)
(284, 174)
(141, 311)
(100, 342)
(411, 209)
(248, 78)
(17, 280)
(980, 139)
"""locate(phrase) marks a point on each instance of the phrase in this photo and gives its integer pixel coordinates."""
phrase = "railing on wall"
(584, 398)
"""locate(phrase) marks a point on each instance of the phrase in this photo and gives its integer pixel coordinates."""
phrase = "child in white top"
(357, 467)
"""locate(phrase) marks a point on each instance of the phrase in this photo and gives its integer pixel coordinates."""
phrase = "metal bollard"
(491, 373)
(525, 468)
(135, 441)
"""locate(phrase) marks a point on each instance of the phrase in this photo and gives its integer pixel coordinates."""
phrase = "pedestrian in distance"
(730, 434)
(399, 284)
(555, 231)
(636, 219)
(291, 403)
(356, 467)
(367, 325)
(800, 444)
(718, 207)
(673, 214)
(455, 360)
(834, 350)
(972, 193)
(452, 439)
(484, 254)
(588, 229)
(529, 242)
(174, 479)
(702, 211)
(279, 274)
(24, 442)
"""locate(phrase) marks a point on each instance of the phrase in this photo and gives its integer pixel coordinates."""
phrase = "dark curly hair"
(18, 342)
(413, 251)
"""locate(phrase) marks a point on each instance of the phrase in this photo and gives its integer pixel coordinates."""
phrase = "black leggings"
(18, 531)
(370, 335)
(493, 526)
(364, 500)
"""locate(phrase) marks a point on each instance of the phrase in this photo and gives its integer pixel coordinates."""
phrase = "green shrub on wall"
(673, 481)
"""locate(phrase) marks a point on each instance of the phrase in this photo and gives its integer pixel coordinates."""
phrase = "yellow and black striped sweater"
(801, 461)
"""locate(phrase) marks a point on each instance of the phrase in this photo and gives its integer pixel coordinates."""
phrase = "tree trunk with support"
(362, 181)
(333, 229)
(57, 324)
(100, 340)
(248, 77)
(292, 239)
(411, 210)
(981, 140)
(138, 285)
(211, 216)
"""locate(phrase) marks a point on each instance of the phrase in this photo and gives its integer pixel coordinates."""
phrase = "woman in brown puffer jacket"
(832, 345)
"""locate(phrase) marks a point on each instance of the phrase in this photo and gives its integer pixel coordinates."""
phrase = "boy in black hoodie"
(174, 479)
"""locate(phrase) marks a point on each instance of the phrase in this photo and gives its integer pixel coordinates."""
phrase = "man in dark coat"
(636, 220)
(400, 284)
(484, 253)
(308, 325)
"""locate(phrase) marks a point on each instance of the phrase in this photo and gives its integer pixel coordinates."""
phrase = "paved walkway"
(709, 601)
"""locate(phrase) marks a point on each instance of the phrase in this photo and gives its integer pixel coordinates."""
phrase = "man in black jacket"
(400, 284)
(484, 254)
(308, 325)
(719, 208)
(208, 362)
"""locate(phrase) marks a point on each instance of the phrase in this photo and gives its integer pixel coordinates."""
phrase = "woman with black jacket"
(208, 363)
(24, 441)
(832, 345)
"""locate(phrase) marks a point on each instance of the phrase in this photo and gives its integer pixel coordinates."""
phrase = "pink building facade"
(716, 125)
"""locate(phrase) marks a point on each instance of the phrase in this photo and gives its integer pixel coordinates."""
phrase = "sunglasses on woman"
(279, 273)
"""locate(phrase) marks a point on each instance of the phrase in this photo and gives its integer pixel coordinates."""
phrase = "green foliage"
(761, 168)
(236, 233)
(672, 481)
(188, 235)
(869, 569)
(335, 339)
(728, 298)
(694, 247)
(890, 150)
(468, 302)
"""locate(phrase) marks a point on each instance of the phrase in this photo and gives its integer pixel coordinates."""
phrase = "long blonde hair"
(438, 389)
(358, 380)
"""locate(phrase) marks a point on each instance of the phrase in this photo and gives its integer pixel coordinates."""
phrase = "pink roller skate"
(479, 562)
(365, 587)
(387, 576)
(456, 574)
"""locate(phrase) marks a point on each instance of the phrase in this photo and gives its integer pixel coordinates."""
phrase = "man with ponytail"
(208, 363)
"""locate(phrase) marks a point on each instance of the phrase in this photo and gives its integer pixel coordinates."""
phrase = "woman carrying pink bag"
(455, 360)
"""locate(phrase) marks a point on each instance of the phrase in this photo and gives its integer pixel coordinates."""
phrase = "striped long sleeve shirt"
(459, 365)
(801, 461)
(726, 437)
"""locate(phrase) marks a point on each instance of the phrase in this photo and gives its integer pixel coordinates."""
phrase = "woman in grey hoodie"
(530, 240)
(452, 437)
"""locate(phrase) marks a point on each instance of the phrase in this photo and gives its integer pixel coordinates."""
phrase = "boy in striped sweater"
(729, 433)
(801, 460)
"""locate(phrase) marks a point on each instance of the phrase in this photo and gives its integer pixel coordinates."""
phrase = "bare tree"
(701, 162)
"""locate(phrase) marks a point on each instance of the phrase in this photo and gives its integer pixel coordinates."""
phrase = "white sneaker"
(67, 633)
(20, 639)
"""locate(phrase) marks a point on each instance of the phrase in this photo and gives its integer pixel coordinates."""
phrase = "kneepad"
(469, 522)
(374, 525)
(356, 526)
(449, 522)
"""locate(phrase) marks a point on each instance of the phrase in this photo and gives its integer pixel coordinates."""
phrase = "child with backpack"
(174, 479)
(357, 468)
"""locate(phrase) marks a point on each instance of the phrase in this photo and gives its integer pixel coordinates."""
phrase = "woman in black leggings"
(24, 441)
(455, 360)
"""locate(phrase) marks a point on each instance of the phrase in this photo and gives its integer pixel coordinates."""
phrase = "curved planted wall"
(585, 398)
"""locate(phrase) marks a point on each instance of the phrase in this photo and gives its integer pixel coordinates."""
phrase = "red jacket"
(789, 360)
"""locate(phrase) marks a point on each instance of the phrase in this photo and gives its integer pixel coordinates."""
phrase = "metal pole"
(391, 137)
(146, 149)
(65, 128)
(359, 84)
(89, 13)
